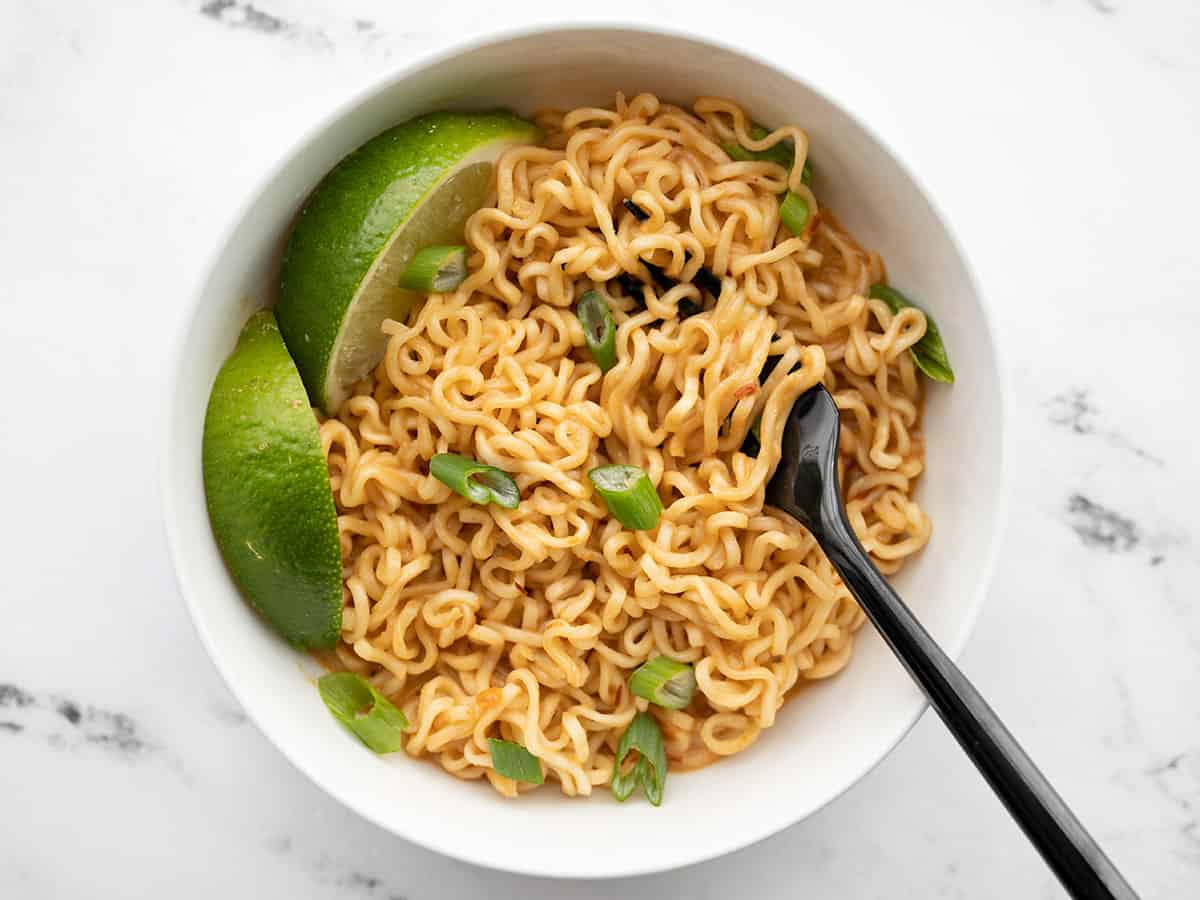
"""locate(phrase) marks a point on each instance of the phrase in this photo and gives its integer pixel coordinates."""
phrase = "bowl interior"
(826, 737)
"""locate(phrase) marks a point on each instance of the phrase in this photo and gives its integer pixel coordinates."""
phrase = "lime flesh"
(267, 485)
(413, 186)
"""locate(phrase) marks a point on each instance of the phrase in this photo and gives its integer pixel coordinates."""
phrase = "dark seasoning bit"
(638, 213)
(630, 286)
(704, 279)
(751, 445)
(659, 276)
(707, 281)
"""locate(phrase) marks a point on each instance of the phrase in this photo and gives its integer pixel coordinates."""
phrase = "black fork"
(805, 486)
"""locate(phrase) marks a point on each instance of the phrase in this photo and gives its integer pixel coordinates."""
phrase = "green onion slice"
(436, 270)
(752, 445)
(629, 494)
(513, 761)
(599, 331)
(356, 703)
(664, 682)
(793, 212)
(782, 154)
(650, 771)
(929, 352)
(479, 483)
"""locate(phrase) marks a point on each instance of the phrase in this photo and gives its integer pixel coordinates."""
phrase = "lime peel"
(410, 187)
(268, 493)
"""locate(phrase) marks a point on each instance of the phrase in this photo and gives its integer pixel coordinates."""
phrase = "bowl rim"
(443, 51)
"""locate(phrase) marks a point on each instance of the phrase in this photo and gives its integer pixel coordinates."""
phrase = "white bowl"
(826, 738)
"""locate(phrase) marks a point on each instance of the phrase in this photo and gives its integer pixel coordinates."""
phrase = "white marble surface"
(1062, 137)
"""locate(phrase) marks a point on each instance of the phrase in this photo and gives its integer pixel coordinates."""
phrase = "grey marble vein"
(243, 15)
(247, 16)
(11, 695)
(1114, 664)
(1122, 728)
(64, 723)
(1106, 530)
(332, 873)
(228, 714)
(1102, 528)
(1172, 63)
(1178, 780)
(1074, 410)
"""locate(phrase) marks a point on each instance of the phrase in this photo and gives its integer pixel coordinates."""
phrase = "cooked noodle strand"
(525, 624)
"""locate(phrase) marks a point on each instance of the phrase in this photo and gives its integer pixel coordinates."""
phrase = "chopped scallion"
(793, 212)
(436, 270)
(782, 154)
(650, 770)
(513, 761)
(478, 482)
(929, 352)
(752, 445)
(629, 494)
(599, 331)
(664, 682)
(356, 703)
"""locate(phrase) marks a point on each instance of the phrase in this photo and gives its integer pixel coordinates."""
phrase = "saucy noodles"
(525, 624)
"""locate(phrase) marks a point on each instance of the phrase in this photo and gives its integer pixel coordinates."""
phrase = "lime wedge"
(411, 187)
(269, 499)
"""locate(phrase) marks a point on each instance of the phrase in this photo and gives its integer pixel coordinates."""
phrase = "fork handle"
(1082, 867)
